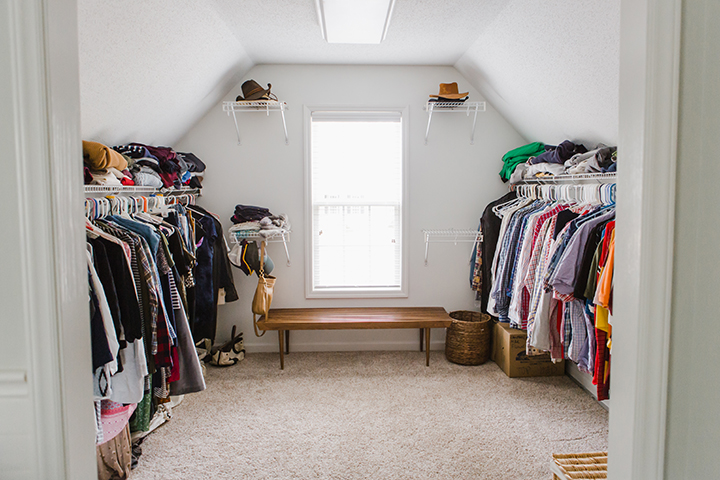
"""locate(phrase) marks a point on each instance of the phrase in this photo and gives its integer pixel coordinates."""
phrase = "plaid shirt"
(535, 271)
(520, 297)
(507, 265)
(537, 290)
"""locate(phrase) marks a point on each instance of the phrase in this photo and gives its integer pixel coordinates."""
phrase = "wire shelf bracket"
(451, 235)
(461, 107)
(283, 237)
(256, 106)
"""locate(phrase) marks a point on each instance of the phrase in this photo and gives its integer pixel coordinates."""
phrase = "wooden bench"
(285, 319)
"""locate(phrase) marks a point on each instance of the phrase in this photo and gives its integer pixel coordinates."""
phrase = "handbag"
(263, 293)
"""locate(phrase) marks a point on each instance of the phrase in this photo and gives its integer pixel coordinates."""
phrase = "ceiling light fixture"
(354, 21)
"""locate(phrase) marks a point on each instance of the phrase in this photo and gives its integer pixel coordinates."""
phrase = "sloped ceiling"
(150, 70)
(551, 68)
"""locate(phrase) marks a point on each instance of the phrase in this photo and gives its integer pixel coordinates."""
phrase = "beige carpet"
(379, 415)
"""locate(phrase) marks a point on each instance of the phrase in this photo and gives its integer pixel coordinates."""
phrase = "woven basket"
(468, 338)
(581, 466)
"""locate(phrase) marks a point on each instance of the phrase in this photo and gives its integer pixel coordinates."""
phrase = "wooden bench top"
(354, 318)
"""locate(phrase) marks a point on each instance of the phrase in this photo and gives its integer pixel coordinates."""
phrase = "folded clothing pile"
(141, 165)
(540, 160)
(250, 219)
(104, 166)
(249, 213)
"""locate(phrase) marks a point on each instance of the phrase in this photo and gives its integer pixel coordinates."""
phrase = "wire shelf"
(275, 237)
(466, 107)
(455, 106)
(123, 190)
(450, 235)
(256, 106)
(582, 177)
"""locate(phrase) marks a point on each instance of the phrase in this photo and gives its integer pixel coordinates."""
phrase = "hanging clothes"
(550, 272)
(141, 269)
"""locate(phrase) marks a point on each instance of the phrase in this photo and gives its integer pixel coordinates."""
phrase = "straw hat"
(450, 91)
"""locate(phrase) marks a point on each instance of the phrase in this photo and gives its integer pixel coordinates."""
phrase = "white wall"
(693, 425)
(451, 181)
(551, 68)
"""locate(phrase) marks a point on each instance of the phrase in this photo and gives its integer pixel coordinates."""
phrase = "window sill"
(357, 293)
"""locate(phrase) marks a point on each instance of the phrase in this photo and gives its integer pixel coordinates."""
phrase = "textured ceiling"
(150, 70)
(551, 68)
(421, 32)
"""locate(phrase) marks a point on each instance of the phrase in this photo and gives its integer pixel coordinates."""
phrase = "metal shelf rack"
(461, 107)
(283, 237)
(450, 235)
(133, 190)
(578, 178)
(256, 106)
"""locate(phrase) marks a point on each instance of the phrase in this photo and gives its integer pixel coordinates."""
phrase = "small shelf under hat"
(450, 106)
(256, 106)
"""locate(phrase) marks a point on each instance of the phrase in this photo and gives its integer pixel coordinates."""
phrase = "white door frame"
(45, 382)
(647, 148)
(43, 40)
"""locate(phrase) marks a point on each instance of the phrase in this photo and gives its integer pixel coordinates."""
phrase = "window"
(355, 196)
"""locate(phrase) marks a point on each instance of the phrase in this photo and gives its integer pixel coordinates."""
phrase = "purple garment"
(563, 280)
(559, 154)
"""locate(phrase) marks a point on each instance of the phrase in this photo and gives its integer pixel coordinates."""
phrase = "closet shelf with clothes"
(547, 267)
(538, 160)
(450, 235)
(265, 106)
(255, 223)
(138, 165)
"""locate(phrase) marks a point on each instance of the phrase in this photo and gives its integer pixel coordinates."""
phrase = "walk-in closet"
(345, 239)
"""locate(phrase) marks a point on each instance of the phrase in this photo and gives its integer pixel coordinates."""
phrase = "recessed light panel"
(354, 21)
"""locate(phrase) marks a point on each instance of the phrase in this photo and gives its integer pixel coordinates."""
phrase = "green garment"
(519, 155)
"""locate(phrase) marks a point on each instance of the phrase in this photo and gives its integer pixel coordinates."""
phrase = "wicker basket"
(468, 338)
(580, 466)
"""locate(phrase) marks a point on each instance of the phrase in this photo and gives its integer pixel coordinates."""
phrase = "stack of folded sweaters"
(249, 219)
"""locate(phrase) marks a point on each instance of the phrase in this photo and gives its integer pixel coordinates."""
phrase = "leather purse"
(263, 293)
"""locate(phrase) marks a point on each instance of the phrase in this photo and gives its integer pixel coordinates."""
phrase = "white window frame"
(400, 292)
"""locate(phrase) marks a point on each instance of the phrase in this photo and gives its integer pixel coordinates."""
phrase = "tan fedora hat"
(450, 90)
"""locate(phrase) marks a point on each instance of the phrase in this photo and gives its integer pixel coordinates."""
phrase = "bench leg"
(422, 341)
(427, 347)
(282, 350)
(287, 341)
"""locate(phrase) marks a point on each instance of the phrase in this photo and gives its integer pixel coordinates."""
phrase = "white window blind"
(356, 175)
